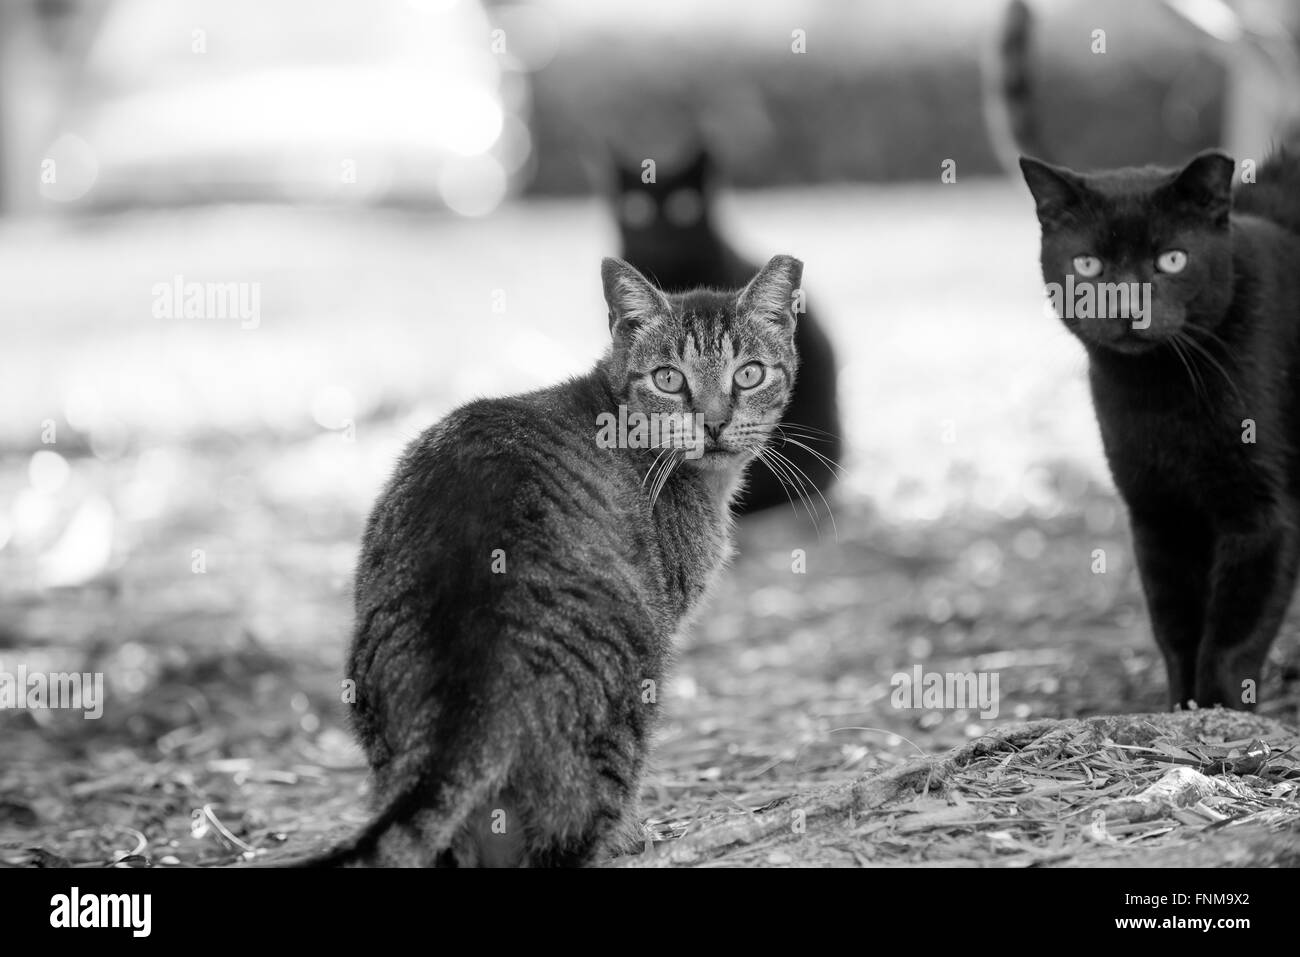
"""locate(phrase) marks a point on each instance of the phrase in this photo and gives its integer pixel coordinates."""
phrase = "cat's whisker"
(803, 483)
(825, 460)
(1208, 333)
(801, 487)
(1184, 345)
(796, 430)
(1200, 373)
(651, 469)
(800, 472)
(780, 428)
(1198, 389)
(1200, 377)
(789, 481)
(1201, 350)
(807, 431)
(785, 486)
(658, 468)
(661, 476)
(669, 467)
(1198, 350)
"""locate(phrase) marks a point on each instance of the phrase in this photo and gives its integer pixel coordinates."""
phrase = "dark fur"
(1010, 106)
(1216, 521)
(680, 253)
(521, 697)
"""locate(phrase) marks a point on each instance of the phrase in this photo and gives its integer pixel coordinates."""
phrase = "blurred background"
(411, 199)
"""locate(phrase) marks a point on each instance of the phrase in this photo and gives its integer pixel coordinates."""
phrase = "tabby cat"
(667, 230)
(1197, 392)
(520, 581)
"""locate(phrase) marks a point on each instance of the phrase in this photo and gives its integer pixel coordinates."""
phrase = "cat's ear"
(626, 173)
(772, 293)
(699, 168)
(1056, 190)
(1206, 184)
(632, 299)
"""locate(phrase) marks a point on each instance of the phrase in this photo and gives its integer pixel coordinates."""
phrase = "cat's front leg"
(1173, 556)
(1254, 572)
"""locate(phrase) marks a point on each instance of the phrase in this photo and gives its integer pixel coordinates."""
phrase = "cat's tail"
(360, 847)
(417, 823)
(1275, 192)
(1009, 102)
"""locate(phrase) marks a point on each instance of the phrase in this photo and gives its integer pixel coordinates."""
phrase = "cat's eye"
(750, 375)
(1087, 266)
(684, 207)
(1171, 261)
(668, 379)
(637, 210)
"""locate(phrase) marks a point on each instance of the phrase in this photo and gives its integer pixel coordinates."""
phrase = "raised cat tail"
(1009, 89)
(1275, 192)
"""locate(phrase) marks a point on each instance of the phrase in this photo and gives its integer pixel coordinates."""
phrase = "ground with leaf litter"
(194, 543)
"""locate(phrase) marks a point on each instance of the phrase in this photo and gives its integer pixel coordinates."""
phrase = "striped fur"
(669, 230)
(519, 587)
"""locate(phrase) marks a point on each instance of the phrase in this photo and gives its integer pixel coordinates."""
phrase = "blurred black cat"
(667, 231)
(1193, 342)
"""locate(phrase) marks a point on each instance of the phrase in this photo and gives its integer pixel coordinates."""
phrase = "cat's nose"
(714, 430)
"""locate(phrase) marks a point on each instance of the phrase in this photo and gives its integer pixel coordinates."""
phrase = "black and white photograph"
(558, 434)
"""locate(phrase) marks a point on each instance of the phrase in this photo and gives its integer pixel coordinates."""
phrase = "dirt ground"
(198, 548)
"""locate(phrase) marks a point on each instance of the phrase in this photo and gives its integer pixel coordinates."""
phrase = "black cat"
(1196, 384)
(667, 231)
